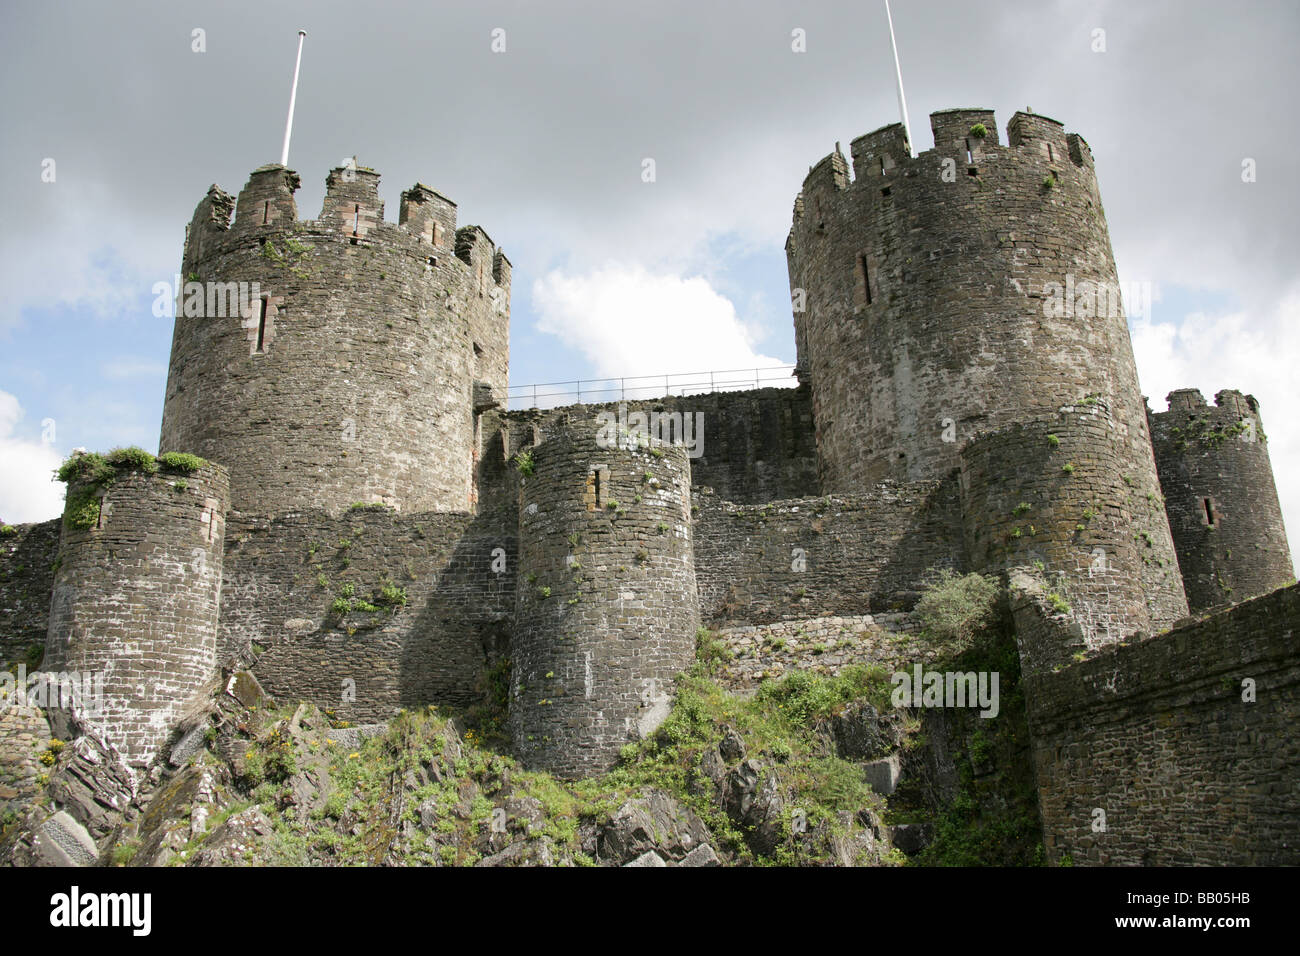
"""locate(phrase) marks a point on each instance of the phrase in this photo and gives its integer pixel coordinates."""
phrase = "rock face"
(653, 823)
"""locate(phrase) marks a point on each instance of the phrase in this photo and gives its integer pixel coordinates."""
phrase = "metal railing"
(641, 387)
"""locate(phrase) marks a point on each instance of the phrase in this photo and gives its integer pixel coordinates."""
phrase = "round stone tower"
(957, 292)
(1051, 495)
(133, 617)
(337, 360)
(1220, 496)
(606, 612)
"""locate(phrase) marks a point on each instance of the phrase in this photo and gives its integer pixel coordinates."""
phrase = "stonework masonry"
(1186, 742)
(1220, 497)
(377, 532)
(359, 372)
(135, 603)
(606, 609)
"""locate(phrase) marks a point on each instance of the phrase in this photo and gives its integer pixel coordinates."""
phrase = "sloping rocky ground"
(808, 770)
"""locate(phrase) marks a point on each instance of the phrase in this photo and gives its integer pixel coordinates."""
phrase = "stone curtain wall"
(822, 645)
(285, 573)
(26, 581)
(136, 601)
(1220, 497)
(374, 334)
(838, 554)
(607, 609)
(24, 734)
(758, 445)
(1156, 735)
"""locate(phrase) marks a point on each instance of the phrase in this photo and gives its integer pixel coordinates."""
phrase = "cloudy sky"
(543, 144)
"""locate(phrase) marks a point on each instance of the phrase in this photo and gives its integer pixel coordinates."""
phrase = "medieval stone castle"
(373, 529)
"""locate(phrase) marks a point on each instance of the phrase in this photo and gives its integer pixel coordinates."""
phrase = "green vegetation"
(181, 463)
(6, 530)
(1068, 468)
(524, 462)
(1053, 441)
(956, 607)
(979, 130)
(370, 506)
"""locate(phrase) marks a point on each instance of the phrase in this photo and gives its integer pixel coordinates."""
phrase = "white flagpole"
(898, 73)
(293, 96)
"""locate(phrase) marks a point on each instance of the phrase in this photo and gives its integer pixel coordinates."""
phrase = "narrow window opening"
(266, 212)
(1209, 511)
(599, 502)
(969, 158)
(353, 240)
(1051, 156)
(99, 513)
(261, 325)
(972, 171)
(885, 191)
(864, 276)
(356, 218)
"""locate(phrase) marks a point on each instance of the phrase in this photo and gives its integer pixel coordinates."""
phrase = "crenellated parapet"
(337, 360)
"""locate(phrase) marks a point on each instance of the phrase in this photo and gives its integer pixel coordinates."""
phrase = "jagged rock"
(191, 742)
(234, 842)
(649, 858)
(912, 838)
(702, 855)
(654, 821)
(244, 687)
(163, 829)
(93, 786)
(524, 853)
(62, 841)
(860, 732)
(882, 775)
(731, 748)
(751, 798)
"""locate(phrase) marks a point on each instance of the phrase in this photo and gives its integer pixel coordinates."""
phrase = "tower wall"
(930, 315)
(1049, 494)
(136, 601)
(1220, 497)
(350, 373)
(606, 610)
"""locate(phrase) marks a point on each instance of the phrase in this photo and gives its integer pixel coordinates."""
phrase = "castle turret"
(1220, 496)
(337, 360)
(607, 607)
(960, 291)
(1050, 495)
(133, 618)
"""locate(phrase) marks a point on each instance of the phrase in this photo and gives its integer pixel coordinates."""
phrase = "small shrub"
(1053, 441)
(956, 607)
(6, 530)
(524, 462)
(180, 463)
(1068, 468)
(979, 130)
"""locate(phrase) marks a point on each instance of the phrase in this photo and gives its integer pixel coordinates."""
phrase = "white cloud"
(629, 322)
(1255, 356)
(28, 491)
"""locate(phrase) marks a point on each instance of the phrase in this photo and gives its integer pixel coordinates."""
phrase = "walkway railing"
(639, 387)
